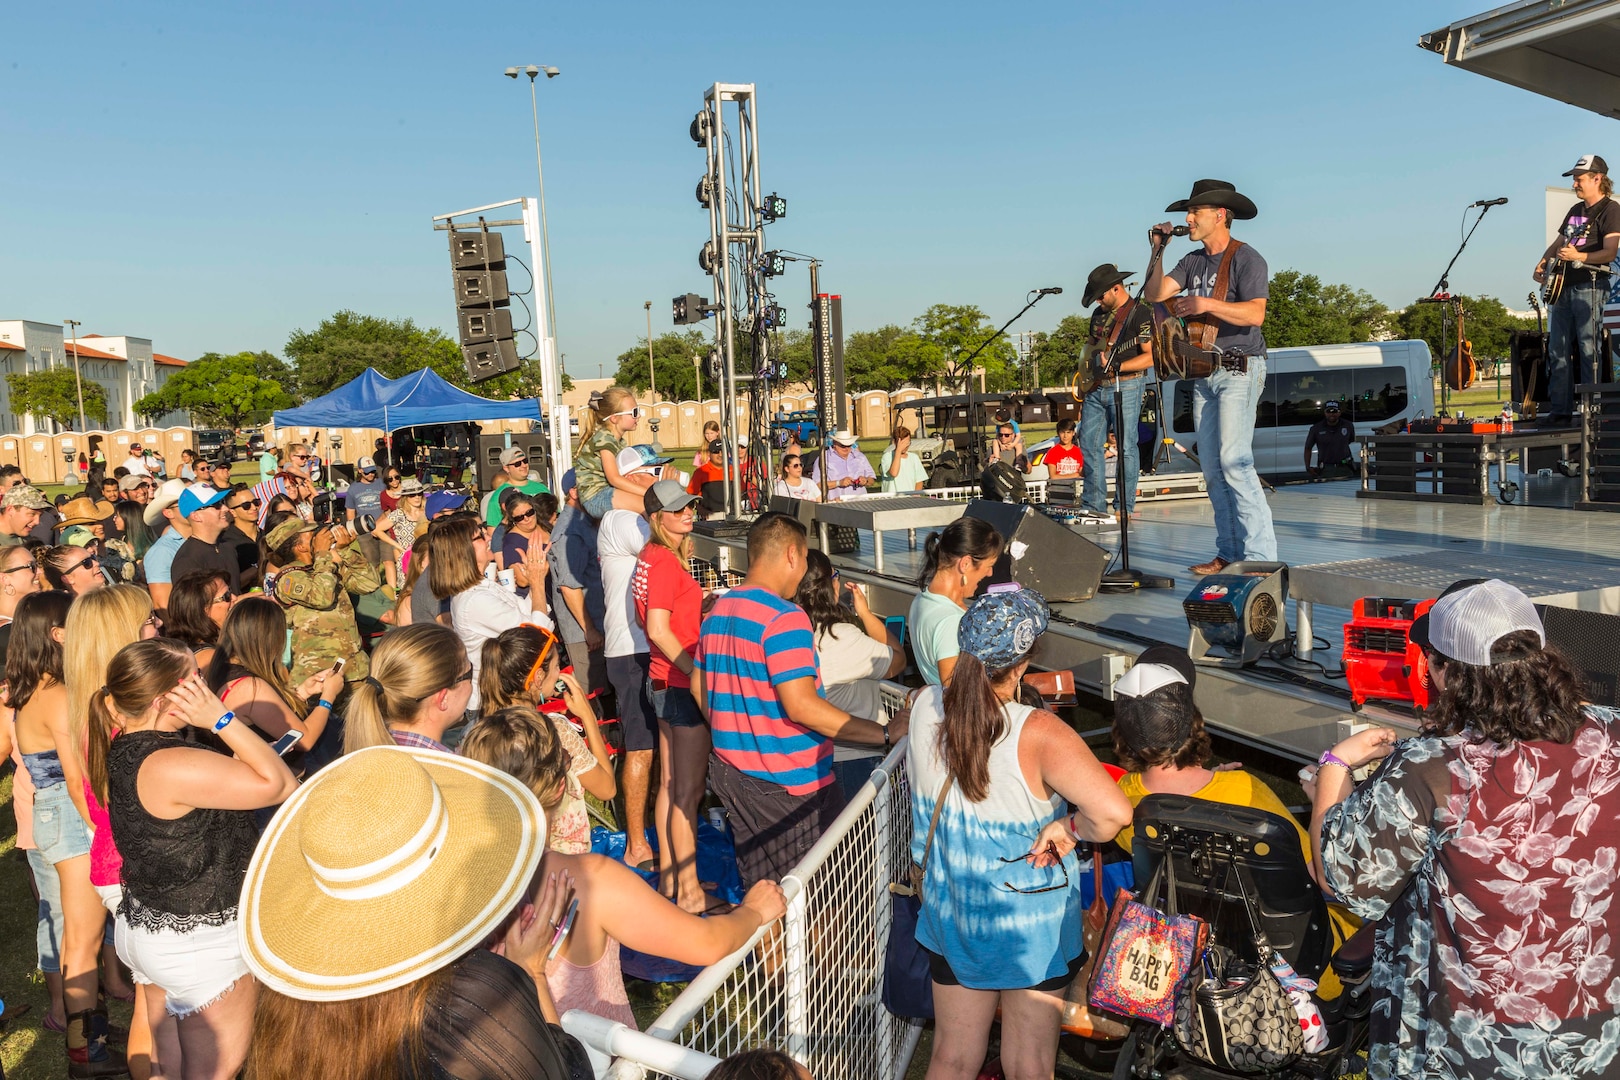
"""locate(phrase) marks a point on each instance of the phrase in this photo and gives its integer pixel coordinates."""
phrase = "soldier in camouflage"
(321, 566)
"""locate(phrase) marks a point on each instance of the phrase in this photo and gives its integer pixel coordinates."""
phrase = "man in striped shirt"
(772, 729)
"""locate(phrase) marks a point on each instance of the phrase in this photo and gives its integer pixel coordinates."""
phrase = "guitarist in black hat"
(1226, 400)
(1586, 245)
(1115, 317)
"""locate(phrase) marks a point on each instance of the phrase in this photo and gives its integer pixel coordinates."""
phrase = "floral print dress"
(1493, 869)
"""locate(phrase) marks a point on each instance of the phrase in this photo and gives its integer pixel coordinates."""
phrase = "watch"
(886, 743)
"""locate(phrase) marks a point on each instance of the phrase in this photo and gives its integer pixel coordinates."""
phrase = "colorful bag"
(1078, 1018)
(1146, 953)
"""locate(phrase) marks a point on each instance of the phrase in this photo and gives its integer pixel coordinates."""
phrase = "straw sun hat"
(387, 866)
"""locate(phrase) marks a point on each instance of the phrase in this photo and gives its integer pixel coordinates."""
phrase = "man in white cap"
(848, 472)
(136, 462)
(514, 473)
(19, 512)
(362, 508)
(159, 557)
(203, 507)
(1587, 241)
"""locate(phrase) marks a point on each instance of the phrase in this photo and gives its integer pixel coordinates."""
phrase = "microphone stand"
(1126, 579)
(1439, 294)
(964, 371)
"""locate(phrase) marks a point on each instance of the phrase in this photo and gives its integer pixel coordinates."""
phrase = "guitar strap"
(1203, 329)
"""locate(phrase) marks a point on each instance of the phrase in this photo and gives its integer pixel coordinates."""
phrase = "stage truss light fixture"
(772, 263)
(689, 309)
(706, 257)
(700, 128)
(704, 185)
(774, 207)
(774, 316)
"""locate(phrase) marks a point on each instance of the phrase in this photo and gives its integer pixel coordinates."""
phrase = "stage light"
(706, 257)
(700, 129)
(775, 207)
(773, 264)
(689, 309)
(703, 186)
(773, 315)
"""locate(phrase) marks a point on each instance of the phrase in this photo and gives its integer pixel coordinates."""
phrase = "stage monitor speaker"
(803, 510)
(1591, 642)
(469, 250)
(1040, 554)
(532, 443)
(1527, 349)
(336, 471)
(481, 289)
(479, 325)
(490, 359)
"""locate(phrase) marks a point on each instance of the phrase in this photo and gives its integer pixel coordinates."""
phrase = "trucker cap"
(1465, 625)
(1589, 163)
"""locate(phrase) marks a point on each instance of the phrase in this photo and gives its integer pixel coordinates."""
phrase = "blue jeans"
(48, 932)
(1225, 405)
(1096, 420)
(1574, 325)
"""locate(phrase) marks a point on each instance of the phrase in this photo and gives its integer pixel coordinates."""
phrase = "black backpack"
(1002, 483)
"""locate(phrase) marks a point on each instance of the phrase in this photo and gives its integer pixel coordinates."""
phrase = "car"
(256, 443)
(212, 442)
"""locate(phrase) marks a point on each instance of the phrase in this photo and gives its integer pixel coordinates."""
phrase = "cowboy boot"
(88, 1054)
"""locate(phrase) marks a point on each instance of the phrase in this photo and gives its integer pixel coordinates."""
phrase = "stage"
(1327, 536)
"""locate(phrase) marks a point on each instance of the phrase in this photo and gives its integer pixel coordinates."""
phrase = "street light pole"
(697, 373)
(533, 72)
(652, 374)
(78, 383)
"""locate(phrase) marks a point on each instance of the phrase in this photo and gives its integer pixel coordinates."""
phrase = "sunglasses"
(392, 479)
(29, 566)
(525, 516)
(1005, 434)
(548, 641)
(1010, 887)
(519, 461)
(627, 412)
(465, 676)
(251, 504)
(223, 598)
(83, 564)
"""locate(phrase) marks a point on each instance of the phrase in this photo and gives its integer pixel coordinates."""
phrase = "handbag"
(1078, 1017)
(908, 987)
(1235, 1015)
(1146, 953)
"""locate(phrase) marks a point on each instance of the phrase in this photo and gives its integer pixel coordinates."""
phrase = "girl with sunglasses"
(793, 483)
(247, 673)
(596, 467)
(390, 492)
(521, 666)
(420, 685)
(73, 569)
(19, 577)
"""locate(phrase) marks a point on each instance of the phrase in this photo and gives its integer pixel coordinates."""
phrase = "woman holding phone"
(247, 673)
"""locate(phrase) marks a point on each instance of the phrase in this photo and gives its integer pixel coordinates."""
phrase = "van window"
(1300, 395)
(1380, 392)
(1181, 417)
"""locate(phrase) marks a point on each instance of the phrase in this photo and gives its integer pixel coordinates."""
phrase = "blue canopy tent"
(420, 398)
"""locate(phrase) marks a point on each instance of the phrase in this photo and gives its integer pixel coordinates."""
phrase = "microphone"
(1050, 292)
(1183, 230)
(1490, 202)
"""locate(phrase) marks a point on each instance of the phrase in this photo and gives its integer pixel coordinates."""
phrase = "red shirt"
(662, 582)
(703, 474)
(1063, 460)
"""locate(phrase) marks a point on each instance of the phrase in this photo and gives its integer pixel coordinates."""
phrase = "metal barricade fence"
(811, 984)
(1034, 492)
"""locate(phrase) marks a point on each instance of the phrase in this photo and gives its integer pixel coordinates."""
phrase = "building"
(124, 367)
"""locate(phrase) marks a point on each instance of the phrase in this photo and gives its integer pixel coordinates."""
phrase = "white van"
(1380, 383)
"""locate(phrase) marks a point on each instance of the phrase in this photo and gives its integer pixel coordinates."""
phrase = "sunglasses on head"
(223, 598)
(548, 641)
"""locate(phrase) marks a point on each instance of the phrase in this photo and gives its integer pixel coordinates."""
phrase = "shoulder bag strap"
(939, 804)
(1207, 328)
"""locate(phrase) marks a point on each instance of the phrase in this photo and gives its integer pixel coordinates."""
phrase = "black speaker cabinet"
(484, 324)
(469, 250)
(1527, 351)
(488, 467)
(1591, 642)
(490, 359)
(1040, 554)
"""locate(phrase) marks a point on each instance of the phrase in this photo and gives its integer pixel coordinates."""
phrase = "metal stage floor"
(1558, 556)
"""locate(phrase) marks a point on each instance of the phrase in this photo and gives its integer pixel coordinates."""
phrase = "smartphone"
(337, 666)
(285, 744)
(563, 927)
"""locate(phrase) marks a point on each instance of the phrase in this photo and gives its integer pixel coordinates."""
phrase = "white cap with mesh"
(1465, 625)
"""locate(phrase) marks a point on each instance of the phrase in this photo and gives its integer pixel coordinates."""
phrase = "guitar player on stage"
(1587, 241)
(1227, 398)
(1115, 315)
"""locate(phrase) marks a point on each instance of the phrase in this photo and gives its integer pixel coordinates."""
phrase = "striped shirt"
(754, 641)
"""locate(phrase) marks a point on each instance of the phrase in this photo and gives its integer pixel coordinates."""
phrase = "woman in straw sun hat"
(404, 937)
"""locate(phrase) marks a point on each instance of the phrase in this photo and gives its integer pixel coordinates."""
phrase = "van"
(1381, 383)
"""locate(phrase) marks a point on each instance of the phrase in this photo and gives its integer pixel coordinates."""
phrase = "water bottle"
(1507, 419)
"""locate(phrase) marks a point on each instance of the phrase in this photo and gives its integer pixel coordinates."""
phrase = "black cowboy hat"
(1217, 193)
(1100, 280)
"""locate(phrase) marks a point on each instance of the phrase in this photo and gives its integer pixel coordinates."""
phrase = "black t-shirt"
(1248, 280)
(1332, 442)
(247, 548)
(196, 555)
(1138, 330)
(1586, 226)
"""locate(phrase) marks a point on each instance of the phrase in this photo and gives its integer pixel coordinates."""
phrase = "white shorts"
(193, 967)
(111, 897)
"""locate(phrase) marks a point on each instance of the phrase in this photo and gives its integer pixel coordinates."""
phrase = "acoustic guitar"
(1556, 272)
(1459, 363)
(1527, 407)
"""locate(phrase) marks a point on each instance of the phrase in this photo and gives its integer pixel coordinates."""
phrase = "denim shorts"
(59, 829)
(52, 923)
(600, 502)
(677, 707)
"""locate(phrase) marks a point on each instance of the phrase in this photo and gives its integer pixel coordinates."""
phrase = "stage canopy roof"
(421, 397)
(1568, 50)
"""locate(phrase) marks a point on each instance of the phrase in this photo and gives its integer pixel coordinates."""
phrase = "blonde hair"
(663, 538)
(614, 399)
(138, 674)
(410, 665)
(98, 625)
(521, 743)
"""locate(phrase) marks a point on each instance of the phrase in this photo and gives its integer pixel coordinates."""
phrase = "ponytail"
(98, 743)
(505, 664)
(973, 537)
(138, 674)
(612, 400)
(975, 720)
(411, 664)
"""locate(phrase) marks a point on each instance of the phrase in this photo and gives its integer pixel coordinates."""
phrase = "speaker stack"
(1040, 554)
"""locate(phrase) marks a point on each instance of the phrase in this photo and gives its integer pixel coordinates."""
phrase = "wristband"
(1068, 823)
(1330, 758)
(324, 704)
(886, 743)
(224, 721)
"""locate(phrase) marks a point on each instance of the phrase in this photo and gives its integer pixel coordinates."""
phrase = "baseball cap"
(287, 530)
(666, 495)
(366, 464)
(1418, 632)
(570, 479)
(221, 462)
(440, 501)
(1589, 163)
(1143, 728)
(632, 458)
(133, 481)
(1156, 667)
(167, 494)
(29, 498)
(513, 454)
(716, 446)
(1466, 624)
(198, 496)
(1001, 626)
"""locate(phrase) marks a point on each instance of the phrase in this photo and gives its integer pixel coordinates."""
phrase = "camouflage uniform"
(316, 599)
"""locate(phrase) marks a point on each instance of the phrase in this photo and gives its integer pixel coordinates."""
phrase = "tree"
(347, 343)
(673, 351)
(1486, 321)
(1304, 311)
(881, 359)
(947, 334)
(53, 394)
(224, 391)
(1056, 355)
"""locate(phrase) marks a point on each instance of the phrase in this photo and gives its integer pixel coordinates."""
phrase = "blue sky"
(214, 176)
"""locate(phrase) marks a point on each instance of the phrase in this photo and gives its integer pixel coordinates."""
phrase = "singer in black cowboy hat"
(1225, 401)
(1116, 316)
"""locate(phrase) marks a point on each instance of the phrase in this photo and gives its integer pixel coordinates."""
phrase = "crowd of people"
(227, 779)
